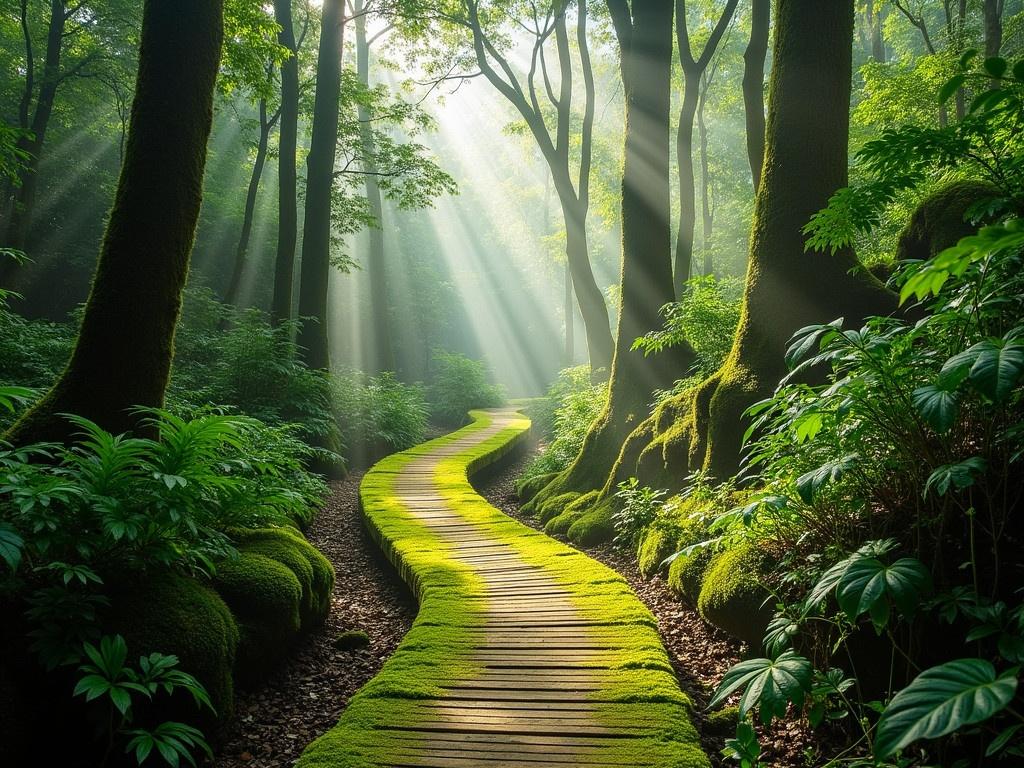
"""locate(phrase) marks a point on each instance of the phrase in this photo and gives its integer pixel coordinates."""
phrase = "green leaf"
(1018, 71)
(967, 57)
(10, 546)
(960, 475)
(996, 66)
(942, 700)
(950, 87)
(1001, 740)
(938, 407)
(770, 684)
(868, 586)
(997, 368)
(808, 484)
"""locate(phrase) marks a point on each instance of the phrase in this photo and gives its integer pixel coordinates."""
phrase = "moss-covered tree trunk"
(380, 355)
(753, 85)
(646, 278)
(287, 185)
(786, 286)
(23, 195)
(316, 231)
(234, 286)
(122, 357)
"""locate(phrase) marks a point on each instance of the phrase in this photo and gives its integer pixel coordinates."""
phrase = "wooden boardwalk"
(533, 677)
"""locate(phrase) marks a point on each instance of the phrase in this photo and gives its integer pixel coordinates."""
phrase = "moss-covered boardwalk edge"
(525, 653)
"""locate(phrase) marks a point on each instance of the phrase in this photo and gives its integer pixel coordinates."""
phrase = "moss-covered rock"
(313, 571)
(555, 506)
(732, 596)
(593, 523)
(174, 614)
(656, 544)
(686, 574)
(722, 723)
(265, 597)
(352, 640)
(938, 221)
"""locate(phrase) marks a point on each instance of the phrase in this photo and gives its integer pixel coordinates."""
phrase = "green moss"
(528, 487)
(722, 723)
(656, 544)
(938, 221)
(265, 597)
(556, 506)
(351, 640)
(594, 526)
(732, 596)
(313, 571)
(686, 574)
(177, 615)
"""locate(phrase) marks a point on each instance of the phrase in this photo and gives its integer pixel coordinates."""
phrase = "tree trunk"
(786, 288)
(24, 195)
(316, 232)
(707, 208)
(287, 210)
(687, 191)
(122, 357)
(242, 249)
(993, 11)
(753, 85)
(380, 355)
(570, 317)
(646, 277)
(693, 71)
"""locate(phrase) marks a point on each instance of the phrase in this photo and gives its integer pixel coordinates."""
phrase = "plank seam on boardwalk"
(525, 653)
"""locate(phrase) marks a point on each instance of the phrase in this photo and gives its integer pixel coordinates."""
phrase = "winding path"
(525, 652)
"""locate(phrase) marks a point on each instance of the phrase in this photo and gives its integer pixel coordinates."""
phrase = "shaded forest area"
(751, 267)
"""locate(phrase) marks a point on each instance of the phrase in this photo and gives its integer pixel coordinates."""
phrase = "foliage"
(107, 679)
(564, 416)
(706, 317)
(637, 509)
(71, 516)
(379, 413)
(986, 144)
(457, 385)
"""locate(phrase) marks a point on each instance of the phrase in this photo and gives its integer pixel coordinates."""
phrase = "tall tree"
(74, 48)
(753, 85)
(644, 33)
(693, 72)
(316, 233)
(380, 355)
(993, 13)
(287, 174)
(551, 125)
(266, 125)
(787, 287)
(122, 357)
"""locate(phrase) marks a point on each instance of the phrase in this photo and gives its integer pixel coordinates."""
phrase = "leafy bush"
(565, 414)
(638, 506)
(706, 317)
(378, 414)
(69, 516)
(457, 386)
(895, 485)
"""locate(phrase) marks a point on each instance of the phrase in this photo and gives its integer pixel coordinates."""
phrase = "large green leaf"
(870, 586)
(941, 700)
(808, 484)
(770, 684)
(937, 406)
(997, 368)
(10, 546)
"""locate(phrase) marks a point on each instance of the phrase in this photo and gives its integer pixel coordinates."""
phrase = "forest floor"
(700, 654)
(302, 700)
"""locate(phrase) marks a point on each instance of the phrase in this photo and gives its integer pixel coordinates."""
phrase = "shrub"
(457, 386)
(566, 412)
(378, 415)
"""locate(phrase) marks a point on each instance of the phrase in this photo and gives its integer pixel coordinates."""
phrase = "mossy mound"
(656, 544)
(555, 506)
(265, 597)
(686, 574)
(732, 596)
(351, 641)
(177, 615)
(722, 723)
(528, 487)
(938, 221)
(313, 571)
